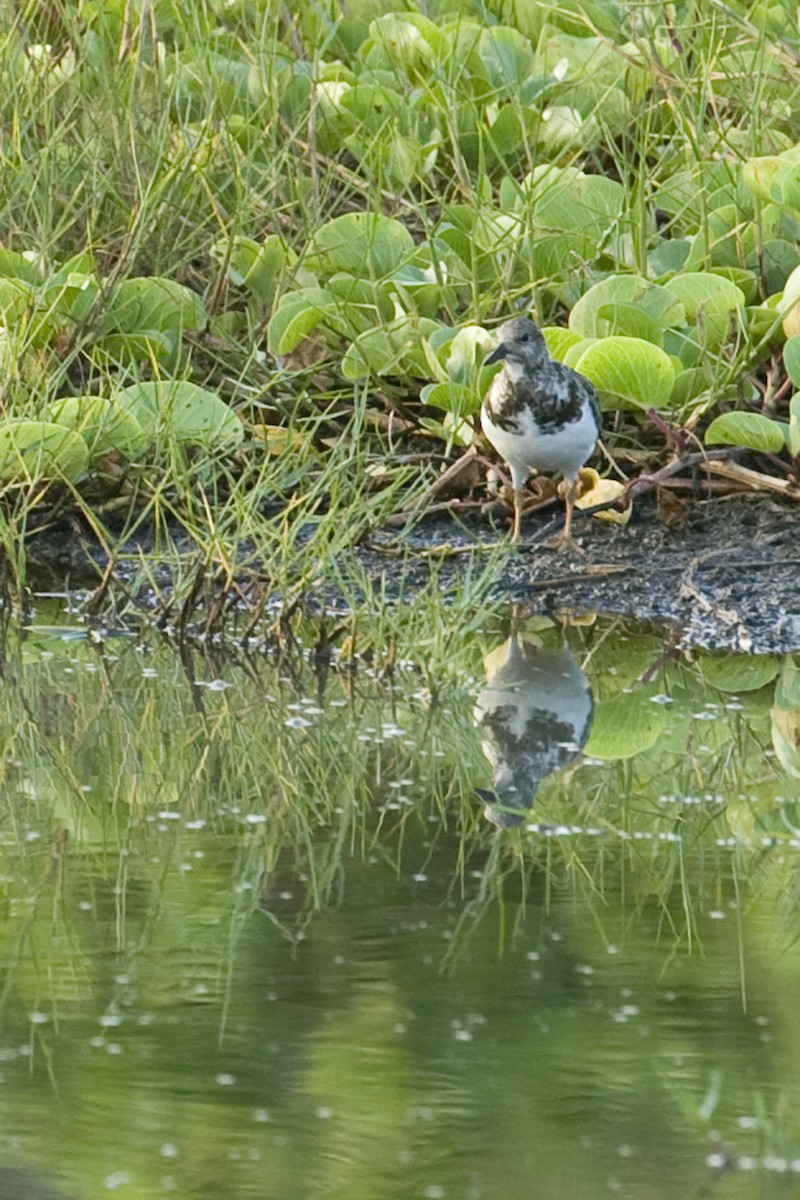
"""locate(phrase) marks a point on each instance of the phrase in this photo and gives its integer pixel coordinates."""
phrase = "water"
(270, 935)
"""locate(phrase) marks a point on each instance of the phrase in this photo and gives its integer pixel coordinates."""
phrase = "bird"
(535, 715)
(539, 415)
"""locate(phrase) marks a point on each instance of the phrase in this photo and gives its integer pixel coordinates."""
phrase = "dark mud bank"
(727, 579)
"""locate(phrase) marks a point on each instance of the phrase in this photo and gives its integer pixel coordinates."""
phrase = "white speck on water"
(717, 1161)
(169, 814)
(324, 1113)
(169, 1150)
(261, 1115)
(225, 1080)
(298, 723)
(111, 1020)
(716, 915)
(115, 1048)
(149, 673)
(256, 818)
(116, 1180)
(434, 1192)
(199, 823)
(39, 1018)
(747, 1122)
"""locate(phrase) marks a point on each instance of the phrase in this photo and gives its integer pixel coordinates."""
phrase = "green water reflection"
(260, 940)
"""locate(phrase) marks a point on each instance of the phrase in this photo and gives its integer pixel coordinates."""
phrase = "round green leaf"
(740, 673)
(746, 429)
(624, 726)
(629, 370)
(698, 290)
(507, 57)
(183, 411)
(661, 306)
(361, 243)
(103, 424)
(296, 315)
(152, 303)
(559, 340)
(31, 450)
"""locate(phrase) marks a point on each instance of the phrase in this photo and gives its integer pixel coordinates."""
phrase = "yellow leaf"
(594, 490)
(280, 440)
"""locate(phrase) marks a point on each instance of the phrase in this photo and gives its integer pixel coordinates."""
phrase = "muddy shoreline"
(727, 579)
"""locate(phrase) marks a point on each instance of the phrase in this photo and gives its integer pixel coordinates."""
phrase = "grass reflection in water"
(260, 940)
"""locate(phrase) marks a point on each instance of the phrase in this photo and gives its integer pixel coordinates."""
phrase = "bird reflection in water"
(534, 714)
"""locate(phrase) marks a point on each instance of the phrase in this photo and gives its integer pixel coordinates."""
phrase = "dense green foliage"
(311, 215)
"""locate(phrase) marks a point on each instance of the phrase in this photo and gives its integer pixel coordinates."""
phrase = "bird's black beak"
(497, 354)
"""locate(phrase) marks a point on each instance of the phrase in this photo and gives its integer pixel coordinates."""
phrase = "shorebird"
(539, 415)
(535, 716)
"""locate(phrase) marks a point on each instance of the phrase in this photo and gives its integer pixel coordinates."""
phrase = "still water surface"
(272, 934)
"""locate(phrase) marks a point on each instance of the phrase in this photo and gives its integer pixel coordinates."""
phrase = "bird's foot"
(564, 544)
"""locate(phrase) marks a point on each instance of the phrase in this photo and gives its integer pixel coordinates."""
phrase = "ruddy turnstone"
(538, 414)
(534, 715)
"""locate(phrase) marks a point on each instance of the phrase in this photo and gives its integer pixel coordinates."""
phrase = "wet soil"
(727, 579)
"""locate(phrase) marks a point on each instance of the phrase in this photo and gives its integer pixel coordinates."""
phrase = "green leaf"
(559, 340)
(758, 174)
(17, 266)
(397, 349)
(655, 301)
(630, 320)
(103, 424)
(784, 185)
(787, 691)
(360, 243)
(668, 256)
(745, 429)
(183, 411)
(791, 359)
(698, 290)
(296, 315)
(629, 370)
(793, 434)
(33, 450)
(152, 304)
(452, 397)
(689, 385)
(564, 198)
(740, 672)
(507, 57)
(253, 265)
(625, 725)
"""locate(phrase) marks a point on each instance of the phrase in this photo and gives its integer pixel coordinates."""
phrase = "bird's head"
(520, 343)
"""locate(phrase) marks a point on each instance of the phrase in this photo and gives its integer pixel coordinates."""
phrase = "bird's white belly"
(528, 448)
